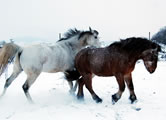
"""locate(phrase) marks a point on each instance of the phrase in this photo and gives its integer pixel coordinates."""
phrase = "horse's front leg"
(75, 86)
(128, 80)
(72, 88)
(70, 77)
(80, 94)
(121, 83)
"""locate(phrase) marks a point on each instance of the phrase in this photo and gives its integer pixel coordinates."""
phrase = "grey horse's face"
(93, 39)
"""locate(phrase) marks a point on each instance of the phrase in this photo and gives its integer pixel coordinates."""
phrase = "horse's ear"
(90, 29)
(146, 52)
(95, 31)
(154, 50)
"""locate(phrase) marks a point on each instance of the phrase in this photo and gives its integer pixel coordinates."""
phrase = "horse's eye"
(153, 58)
(95, 37)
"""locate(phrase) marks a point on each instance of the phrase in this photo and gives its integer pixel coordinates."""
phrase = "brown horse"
(118, 59)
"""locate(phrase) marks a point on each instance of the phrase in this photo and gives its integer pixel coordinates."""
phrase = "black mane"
(72, 32)
(136, 45)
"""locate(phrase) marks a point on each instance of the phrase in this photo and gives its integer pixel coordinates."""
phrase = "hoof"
(133, 98)
(72, 93)
(80, 98)
(97, 99)
(31, 102)
(1, 96)
(114, 99)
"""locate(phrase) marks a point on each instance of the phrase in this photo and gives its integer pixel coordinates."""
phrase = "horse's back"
(91, 60)
(101, 61)
(34, 56)
(44, 57)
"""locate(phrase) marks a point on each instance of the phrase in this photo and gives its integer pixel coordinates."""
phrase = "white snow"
(53, 101)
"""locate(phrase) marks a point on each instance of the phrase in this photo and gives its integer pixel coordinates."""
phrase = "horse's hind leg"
(128, 79)
(88, 83)
(121, 83)
(80, 94)
(30, 80)
(16, 71)
(9, 81)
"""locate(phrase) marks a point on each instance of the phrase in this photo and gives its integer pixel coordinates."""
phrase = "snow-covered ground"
(53, 101)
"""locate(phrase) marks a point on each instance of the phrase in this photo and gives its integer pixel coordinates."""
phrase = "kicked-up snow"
(52, 100)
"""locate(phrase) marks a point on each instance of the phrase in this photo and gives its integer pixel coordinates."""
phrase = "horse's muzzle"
(151, 71)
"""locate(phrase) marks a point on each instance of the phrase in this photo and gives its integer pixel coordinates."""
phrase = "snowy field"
(53, 101)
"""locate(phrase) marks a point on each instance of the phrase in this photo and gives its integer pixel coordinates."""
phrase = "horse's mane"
(135, 45)
(72, 32)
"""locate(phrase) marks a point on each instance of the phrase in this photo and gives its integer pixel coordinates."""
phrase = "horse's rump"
(7, 54)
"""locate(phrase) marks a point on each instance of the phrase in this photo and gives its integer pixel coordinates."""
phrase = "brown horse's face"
(150, 58)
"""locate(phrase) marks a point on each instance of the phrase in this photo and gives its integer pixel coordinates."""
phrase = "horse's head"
(150, 58)
(89, 38)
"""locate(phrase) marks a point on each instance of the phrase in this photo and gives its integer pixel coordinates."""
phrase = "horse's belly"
(102, 70)
(103, 74)
(56, 67)
(50, 69)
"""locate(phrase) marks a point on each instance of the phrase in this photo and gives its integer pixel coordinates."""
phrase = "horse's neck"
(133, 58)
(73, 44)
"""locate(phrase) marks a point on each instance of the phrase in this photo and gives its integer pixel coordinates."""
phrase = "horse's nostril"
(152, 70)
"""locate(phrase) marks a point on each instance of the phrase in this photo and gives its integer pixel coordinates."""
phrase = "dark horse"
(118, 59)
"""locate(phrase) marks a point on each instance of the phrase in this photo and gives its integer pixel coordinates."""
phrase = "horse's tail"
(7, 54)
